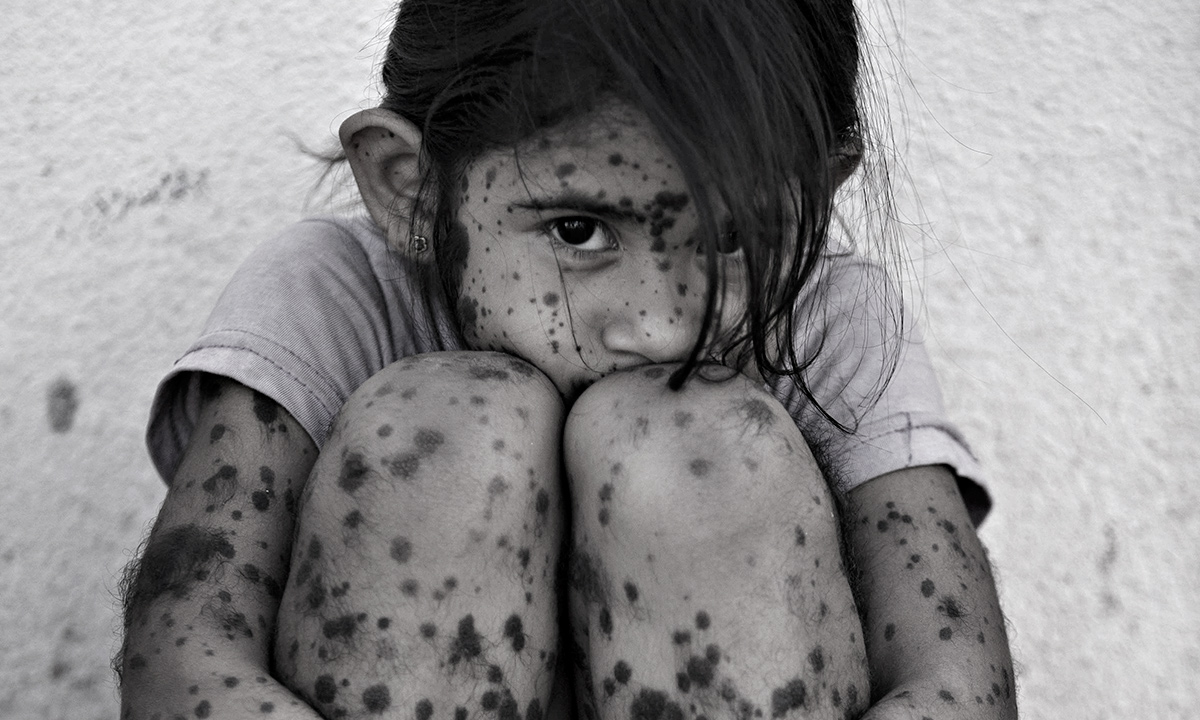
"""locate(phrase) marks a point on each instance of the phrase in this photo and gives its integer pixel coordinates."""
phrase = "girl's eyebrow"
(578, 202)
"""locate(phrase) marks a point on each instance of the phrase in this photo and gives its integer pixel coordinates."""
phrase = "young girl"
(589, 418)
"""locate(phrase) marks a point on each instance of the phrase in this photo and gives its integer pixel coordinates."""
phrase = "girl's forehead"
(613, 144)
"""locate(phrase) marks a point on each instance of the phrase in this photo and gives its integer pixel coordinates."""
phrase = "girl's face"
(582, 252)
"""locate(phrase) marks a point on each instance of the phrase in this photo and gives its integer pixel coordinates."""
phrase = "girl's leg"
(706, 578)
(422, 580)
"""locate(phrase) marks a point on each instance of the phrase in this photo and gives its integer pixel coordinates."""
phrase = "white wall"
(144, 151)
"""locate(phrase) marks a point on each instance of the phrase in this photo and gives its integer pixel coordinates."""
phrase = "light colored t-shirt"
(316, 311)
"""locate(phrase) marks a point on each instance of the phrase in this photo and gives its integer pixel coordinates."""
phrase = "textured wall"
(1054, 146)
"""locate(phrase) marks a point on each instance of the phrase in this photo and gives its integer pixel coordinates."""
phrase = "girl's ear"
(384, 151)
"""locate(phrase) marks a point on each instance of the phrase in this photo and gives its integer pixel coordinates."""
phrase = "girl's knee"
(454, 447)
(717, 455)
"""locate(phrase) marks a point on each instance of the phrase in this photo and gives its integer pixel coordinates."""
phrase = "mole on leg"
(705, 569)
(426, 546)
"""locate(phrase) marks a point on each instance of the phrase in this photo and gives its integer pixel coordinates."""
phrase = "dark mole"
(342, 627)
(460, 713)
(428, 630)
(216, 433)
(325, 689)
(316, 595)
(542, 504)
(712, 653)
(587, 577)
(523, 557)
(622, 672)
(354, 472)
(654, 373)
(495, 674)
(945, 695)
(266, 708)
(681, 637)
(789, 697)
(213, 486)
(800, 537)
(383, 623)
(353, 519)
(378, 698)
(654, 705)
(175, 560)
(424, 709)
(401, 549)
(951, 608)
(62, 402)
(231, 682)
(702, 620)
(514, 629)
(671, 201)
(610, 687)
(428, 441)
(266, 475)
(889, 632)
(550, 299)
(203, 709)
(606, 622)
(404, 465)
(700, 670)
(699, 467)
(945, 633)
(484, 373)
(816, 659)
(265, 409)
(490, 700)
(683, 682)
(882, 525)
(564, 170)
(468, 643)
(631, 591)
(927, 588)
(261, 500)
(615, 159)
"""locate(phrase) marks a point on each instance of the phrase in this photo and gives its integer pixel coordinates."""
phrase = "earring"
(418, 244)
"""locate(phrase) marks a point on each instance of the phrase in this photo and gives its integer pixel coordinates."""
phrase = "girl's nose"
(657, 319)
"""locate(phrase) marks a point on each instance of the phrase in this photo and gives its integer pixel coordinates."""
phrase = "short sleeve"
(870, 372)
(306, 319)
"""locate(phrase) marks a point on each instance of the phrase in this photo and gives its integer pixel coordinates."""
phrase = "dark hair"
(750, 96)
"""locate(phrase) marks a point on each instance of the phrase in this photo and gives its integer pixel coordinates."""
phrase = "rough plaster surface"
(145, 150)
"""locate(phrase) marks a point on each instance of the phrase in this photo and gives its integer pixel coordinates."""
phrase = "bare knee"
(715, 457)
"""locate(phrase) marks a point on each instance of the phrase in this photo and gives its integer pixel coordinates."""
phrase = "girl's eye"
(580, 233)
(729, 242)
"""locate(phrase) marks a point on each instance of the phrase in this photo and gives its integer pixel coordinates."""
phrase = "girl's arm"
(201, 601)
(935, 635)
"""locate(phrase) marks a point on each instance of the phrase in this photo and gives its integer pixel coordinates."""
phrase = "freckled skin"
(655, 267)
(571, 296)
